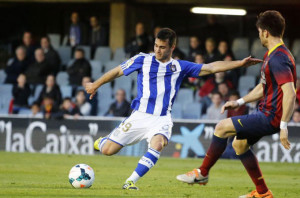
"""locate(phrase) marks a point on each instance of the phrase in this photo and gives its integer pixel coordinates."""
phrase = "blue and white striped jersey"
(157, 82)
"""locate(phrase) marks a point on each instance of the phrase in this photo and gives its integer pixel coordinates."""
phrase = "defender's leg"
(223, 130)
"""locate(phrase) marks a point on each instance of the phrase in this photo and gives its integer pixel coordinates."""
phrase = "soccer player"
(277, 91)
(159, 79)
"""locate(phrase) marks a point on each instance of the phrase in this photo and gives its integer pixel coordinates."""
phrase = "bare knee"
(158, 142)
(107, 151)
(225, 129)
(240, 146)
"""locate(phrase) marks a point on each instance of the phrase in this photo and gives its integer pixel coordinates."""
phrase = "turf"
(44, 175)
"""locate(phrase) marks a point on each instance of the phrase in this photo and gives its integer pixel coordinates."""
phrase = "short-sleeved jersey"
(157, 82)
(278, 68)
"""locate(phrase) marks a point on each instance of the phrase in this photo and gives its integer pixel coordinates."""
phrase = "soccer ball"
(81, 176)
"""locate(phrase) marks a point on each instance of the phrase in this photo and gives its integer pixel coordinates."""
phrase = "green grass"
(42, 175)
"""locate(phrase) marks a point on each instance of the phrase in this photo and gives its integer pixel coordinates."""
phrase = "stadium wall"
(190, 138)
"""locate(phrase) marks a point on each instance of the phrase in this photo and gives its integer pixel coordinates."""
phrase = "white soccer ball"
(81, 176)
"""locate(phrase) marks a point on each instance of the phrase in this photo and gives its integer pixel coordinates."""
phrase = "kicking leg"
(250, 163)
(223, 130)
(157, 143)
(106, 146)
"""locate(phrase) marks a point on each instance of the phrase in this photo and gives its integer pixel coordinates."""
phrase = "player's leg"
(157, 143)
(223, 130)
(250, 163)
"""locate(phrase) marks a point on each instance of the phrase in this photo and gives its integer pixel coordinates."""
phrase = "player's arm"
(91, 88)
(220, 66)
(288, 103)
(254, 95)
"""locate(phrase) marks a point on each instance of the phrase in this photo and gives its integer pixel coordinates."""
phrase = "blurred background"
(50, 49)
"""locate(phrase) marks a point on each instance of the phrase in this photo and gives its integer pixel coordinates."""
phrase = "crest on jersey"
(129, 62)
(173, 68)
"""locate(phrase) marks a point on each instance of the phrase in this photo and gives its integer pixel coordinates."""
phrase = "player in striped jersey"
(277, 94)
(158, 81)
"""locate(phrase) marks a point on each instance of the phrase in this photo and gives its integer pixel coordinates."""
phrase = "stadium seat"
(2, 76)
(185, 51)
(240, 48)
(296, 47)
(183, 42)
(110, 65)
(246, 83)
(104, 98)
(86, 49)
(70, 62)
(254, 70)
(65, 54)
(24, 112)
(55, 40)
(37, 91)
(119, 55)
(5, 98)
(66, 91)
(62, 78)
(257, 50)
(298, 70)
(176, 111)
(185, 96)
(96, 69)
(103, 54)
(65, 40)
(125, 83)
(192, 111)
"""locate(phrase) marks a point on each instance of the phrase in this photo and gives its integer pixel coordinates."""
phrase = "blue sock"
(144, 165)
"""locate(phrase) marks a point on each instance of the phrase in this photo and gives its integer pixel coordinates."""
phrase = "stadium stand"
(55, 40)
(103, 54)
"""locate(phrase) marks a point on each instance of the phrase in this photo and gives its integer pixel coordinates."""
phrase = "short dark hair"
(80, 50)
(235, 93)
(46, 37)
(217, 93)
(167, 34)
(272, 21)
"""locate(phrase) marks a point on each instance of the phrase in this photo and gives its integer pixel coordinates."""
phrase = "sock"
(144, 165)
(214, 152)
(251, 164)
(101, 143)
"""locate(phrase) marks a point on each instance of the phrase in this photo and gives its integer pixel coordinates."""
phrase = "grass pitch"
(44, 175)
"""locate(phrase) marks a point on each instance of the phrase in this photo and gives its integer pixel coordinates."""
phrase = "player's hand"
(284, 139)
(250, 61)
(90, 89)
(229, 105)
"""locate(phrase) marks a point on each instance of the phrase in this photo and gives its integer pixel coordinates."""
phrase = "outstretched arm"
(254, 95)
(91, 88)
(220, 66)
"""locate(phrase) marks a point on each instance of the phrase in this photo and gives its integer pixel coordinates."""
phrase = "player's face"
(263, 37)
(162, 50)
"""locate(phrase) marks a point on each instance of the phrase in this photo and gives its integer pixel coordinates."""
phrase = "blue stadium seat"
(55, 40)
(246, 83)
(183, 42)
(5, 97)
(70, 62)
(192, 111)
(66, 91)
(298, 70)
(103, 54)
(96, 69)
(125, 83)
(86, 49)
(2, 76)
(62, 78)
(104, 98)
(296, 47)
(111, 64)
(254, 70)
(65, 54)
(177, 111)
(37, 91)
(24, 112)
(119, 55)
(257, 50)
(185, 96)
(240, 48)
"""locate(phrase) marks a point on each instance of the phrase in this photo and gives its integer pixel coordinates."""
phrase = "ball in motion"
(81, 176)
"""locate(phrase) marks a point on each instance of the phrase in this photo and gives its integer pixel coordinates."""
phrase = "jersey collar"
(271, 50)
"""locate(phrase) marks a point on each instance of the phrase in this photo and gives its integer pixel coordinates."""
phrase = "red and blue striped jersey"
(278, 68)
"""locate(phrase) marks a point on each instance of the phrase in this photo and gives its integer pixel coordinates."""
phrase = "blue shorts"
(253, 127)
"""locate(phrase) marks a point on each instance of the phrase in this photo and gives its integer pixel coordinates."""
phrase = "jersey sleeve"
(191, 69)
(280, 67)
(133, 64)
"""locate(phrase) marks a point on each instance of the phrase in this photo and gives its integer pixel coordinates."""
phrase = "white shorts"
(139, 126)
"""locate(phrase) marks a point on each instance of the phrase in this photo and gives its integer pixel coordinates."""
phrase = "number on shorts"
(126, 127)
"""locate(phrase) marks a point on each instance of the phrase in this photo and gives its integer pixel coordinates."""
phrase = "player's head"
(165, 43)
(270, 24)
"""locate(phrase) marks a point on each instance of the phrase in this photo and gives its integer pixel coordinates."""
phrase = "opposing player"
(158, 81)
(277, 91)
